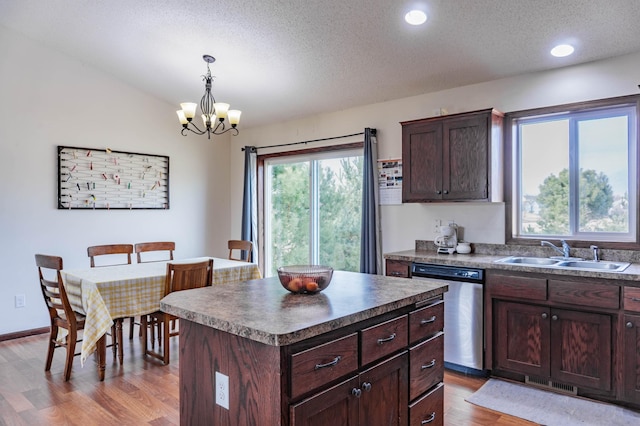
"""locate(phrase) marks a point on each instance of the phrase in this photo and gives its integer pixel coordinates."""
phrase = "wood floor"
(141, 391)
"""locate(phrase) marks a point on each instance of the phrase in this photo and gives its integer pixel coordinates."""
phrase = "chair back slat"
(185, 276)
(168, 246)
(110, 249)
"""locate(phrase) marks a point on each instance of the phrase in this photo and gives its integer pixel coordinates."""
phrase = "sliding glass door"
(312, 210)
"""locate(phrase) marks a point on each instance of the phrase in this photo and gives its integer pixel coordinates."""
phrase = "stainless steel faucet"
(564, 251)
(596, 253)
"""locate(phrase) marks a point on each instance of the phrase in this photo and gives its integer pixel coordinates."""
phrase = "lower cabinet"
(559, 332)
(376, 396)
(631, 345)
(389, 372)
(567, 346)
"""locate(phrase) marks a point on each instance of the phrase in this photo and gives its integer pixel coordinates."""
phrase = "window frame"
(262, 159)
(510, 158)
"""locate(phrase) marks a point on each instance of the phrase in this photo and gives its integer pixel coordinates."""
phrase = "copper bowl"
(305, 279)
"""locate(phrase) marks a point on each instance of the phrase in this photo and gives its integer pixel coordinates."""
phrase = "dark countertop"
(486, 261)
(263, 311)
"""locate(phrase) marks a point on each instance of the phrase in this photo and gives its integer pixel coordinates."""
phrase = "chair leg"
(132, 322)
(114, 338)
(143, 329)
(166, 334)
(119, 338)
(52, 347)
(72, 338)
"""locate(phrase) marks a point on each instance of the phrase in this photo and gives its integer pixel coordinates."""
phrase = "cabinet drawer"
(396, 268)
(631, 299)
(426, 322)
(319, 365)
(520, 287)
(383, 339)
(428, 410)
(426, 365)
(585, 294)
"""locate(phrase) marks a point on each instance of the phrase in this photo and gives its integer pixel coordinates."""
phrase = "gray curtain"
(249, 202)
(370, 248)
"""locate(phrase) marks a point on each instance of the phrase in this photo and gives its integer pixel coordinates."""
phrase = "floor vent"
(551, 385)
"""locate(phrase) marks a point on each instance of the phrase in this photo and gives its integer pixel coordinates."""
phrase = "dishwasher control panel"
(446, 272)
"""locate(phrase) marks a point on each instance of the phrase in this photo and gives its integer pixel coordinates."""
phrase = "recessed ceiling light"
(416, 17)
(562, 50)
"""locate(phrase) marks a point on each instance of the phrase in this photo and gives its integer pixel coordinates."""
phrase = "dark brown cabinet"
(377, 393)
(398, 268)
(554, 344)
(453, 158)
(551, 331)
(631, 345)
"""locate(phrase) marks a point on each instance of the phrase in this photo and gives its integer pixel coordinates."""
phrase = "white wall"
(482, 222)
(49, 99)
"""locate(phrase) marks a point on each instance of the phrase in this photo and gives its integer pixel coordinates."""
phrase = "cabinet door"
(384, 399)
(466, 158)
(337, 405)
(521, 338)
(422, 162)
(581, 348)
(631, 358)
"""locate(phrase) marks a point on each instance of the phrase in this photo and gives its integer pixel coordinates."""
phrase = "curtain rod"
(373, 132)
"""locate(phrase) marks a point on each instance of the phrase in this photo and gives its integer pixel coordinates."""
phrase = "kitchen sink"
(541, 261)
(579, 265)
(600, 266)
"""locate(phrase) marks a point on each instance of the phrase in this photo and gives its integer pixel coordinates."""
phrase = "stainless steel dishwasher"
(463, 314)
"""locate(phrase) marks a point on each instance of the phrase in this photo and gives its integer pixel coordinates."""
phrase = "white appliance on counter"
(463, 314)
(448, 239)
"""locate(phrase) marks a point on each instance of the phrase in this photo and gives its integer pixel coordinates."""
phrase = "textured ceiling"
(285, 59)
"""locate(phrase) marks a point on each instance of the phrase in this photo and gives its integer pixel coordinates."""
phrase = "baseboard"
(24, 333)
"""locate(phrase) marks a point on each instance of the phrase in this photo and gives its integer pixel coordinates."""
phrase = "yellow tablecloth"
(109, 292)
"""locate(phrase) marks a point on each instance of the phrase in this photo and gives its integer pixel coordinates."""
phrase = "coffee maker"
(448, 239)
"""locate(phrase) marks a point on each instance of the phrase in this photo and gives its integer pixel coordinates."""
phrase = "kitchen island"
(367, 350)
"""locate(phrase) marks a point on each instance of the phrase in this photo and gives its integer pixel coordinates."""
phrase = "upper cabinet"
(453, 158)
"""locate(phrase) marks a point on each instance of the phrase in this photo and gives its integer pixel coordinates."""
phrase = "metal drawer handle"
(431, 418)
(428, 321)
(430, 365)
(396, 274)
(329, 364)
(366, 386)
(356, 392)
(629, 324)
(387, 339)
(635, 299)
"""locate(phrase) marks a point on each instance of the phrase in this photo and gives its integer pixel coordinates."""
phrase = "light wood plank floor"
(141, 392)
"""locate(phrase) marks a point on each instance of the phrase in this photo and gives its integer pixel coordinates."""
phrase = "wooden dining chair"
(113, 251)
(60, 312)
(162, 246)
(180, 276)
(244, 246)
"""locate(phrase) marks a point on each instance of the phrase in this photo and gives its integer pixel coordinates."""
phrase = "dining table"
(105, 294)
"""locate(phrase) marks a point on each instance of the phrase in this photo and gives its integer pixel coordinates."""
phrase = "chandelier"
(213, 113)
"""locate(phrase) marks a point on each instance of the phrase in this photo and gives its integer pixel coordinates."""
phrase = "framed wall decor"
(91, 178)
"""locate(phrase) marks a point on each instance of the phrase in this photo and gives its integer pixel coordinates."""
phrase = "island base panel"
(253, 369)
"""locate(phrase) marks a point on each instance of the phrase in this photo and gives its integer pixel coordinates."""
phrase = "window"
(312, 204)
(575, 172)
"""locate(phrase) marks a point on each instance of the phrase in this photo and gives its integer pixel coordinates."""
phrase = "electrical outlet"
(222, 390)
(20, 301)
(436, 226)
